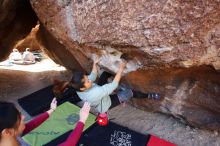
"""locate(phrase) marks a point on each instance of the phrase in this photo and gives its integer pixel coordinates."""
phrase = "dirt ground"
(17, 81)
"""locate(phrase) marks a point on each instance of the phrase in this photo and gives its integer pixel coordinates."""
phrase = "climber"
(98, 95)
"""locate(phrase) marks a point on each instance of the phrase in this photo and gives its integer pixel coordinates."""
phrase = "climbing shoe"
(124, 95)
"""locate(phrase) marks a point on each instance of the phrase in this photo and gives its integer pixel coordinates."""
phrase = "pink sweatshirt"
(71, 140)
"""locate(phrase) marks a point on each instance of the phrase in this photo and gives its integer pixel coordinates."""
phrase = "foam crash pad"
(62, 120)
(112, 135)
(39, 101)
(156, 141)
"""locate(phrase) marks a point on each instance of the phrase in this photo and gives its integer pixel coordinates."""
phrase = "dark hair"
(59, 87)
(77, 80)
(9, 115)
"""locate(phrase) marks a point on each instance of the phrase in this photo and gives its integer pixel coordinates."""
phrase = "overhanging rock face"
(174, 46)
(17, 18)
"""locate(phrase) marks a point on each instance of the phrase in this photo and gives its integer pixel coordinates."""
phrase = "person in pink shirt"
(12, 125)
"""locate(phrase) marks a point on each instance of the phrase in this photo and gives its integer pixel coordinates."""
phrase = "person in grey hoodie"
(97, 95)
(100, 95)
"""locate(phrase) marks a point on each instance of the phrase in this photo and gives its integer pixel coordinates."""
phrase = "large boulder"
(174, 48)
(17, 18)
(56, 50)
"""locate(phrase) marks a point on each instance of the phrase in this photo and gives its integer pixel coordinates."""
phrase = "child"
(12, 125)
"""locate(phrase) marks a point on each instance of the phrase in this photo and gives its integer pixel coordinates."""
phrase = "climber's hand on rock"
(123, 64)
(96, 59)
